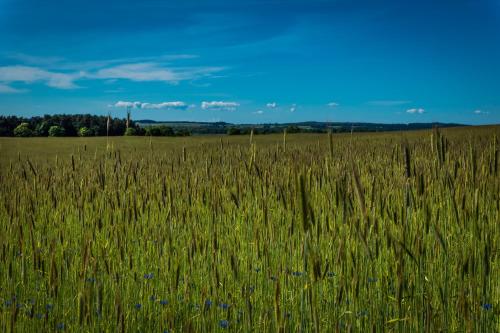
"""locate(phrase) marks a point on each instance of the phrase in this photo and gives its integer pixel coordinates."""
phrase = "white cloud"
(333, 104)
(416, 111)
(293, 108)
(138, 72)
(62, 74)
(219, 105)
(28, 74)
(259, 112)
(177, 105)
(123, 104)
(150, 71)
(272, 105)
(6, 89)
(480, 112)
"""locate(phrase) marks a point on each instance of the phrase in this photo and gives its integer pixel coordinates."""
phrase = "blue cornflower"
(274, 278)
(49, 307)
(39, 316)
(330, 274)
(138, 306)
(208, 303)
(8, 303)
(148, 276)
(152, 298)
(60, 326)
(90, 280)
(487, 306)
(251, 289)
(224, 306)
(257, 270)
(297, 273)
(224, 324)
(372, 280)
(163, 302)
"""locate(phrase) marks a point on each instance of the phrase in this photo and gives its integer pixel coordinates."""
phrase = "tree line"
(84, 125)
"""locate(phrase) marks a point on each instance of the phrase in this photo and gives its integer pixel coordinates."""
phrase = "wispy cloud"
(415, 111)
(62, 74)
(272, 105)
(176, 105)
(6, 89)
(150, 71)
(219, 105)
(293, 108)
(481, 112)
(28, 75)
(333, 104)
(388, 102)
(258, 112)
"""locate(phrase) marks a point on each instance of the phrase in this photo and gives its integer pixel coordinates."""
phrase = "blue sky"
(253, 61)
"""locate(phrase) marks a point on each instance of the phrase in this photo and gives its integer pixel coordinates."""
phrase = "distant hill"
(307, 127)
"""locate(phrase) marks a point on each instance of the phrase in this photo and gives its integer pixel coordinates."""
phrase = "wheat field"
(396, 232)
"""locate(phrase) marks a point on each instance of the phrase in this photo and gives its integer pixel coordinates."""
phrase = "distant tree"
(233, 131)
(56, 131)
(292, 129)
(85, 132)
(42, 129)
(160, 130)
(182, 132)
(23, 130)
(130, 131)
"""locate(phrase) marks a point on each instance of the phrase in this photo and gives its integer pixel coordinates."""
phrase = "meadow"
(396, 232)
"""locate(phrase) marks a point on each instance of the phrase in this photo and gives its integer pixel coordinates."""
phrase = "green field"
(315, 233)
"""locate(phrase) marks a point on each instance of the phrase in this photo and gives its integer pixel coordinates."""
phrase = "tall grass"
(363, 232)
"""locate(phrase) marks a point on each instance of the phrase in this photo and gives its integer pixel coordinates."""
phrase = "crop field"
(396, 232)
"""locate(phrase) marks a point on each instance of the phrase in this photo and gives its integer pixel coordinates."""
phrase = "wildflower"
(138, 306)
(60, 326)
(372, 280)
(487, 306)
(90, 280)
(39, 316)
(208, 303)
(274, 278)
(224, 324)
(148, 276)
(330, 274)
(257, 270)
(152, 298)
(8, 303)
(49, 307)
(224, 306)
(297, 273)
(163, 302)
